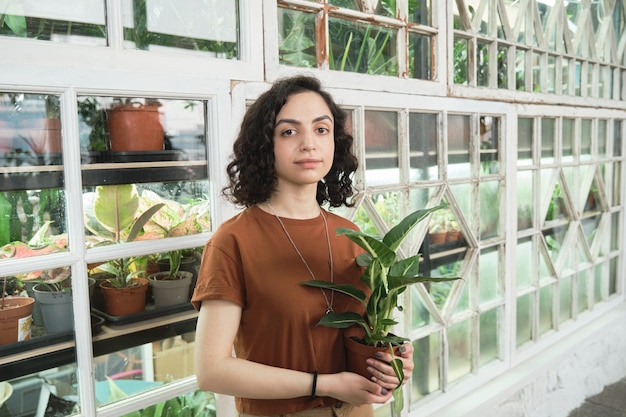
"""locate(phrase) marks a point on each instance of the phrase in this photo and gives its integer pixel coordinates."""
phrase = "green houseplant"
(171, 287)
(113, 215)
(387, 277)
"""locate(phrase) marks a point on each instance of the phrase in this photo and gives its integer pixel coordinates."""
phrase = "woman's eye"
(322, 130)
(289, 132)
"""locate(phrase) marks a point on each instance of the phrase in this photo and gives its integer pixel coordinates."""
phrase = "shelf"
(41, 353)
(27, 172)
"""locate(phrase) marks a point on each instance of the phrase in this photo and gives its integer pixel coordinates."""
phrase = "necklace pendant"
(329, 310)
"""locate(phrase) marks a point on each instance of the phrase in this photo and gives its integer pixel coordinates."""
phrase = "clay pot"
(135, 127)
(126, 300)
(357, 353)
(437, 238)
(15, 319)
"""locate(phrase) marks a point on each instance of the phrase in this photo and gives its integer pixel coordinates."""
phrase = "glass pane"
(577, 78)
(545, 309)
(552, 74)
(420, 12)
(203, 26)
(582, 292)
(381, 147)
(459, 357)
(565, 301)
(525, 136)
(296, 38)
(617, 184)
(520, 70)
(526, 259)
(489, 209)
(586, 134)
(53, 390)
(489, 275)
(524, 320)
(32, 219)
(613, 276)
(503, 67)
(135, 129)
(120, 373)
(548, 140)
(423, 130)
(617, 138)
(489, 336)
(459, 137)
(420, 62)
(599, 278)
(482, 64)
(565, 74)
(382, 8)
(67, 21)
(461, 61)
(536, 72)
(489, 145)
(568, 139)
(363, 48)
(427, 359)
(602, 138)
(525, 206)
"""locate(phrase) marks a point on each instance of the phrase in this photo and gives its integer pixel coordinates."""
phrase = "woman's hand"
(382, 372)
(352, 388)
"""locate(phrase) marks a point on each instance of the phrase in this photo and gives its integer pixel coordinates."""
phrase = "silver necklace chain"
(329, 304)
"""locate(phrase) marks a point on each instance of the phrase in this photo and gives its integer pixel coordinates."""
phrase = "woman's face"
(304, 142)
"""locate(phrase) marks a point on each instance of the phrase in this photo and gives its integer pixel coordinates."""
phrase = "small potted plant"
(15, 317)
(171, 287)
(53, 294)
(387, 277)
(113, 216)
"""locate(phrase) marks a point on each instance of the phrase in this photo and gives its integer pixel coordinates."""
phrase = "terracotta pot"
(357, 353)
(437, 238)
(15, 319)
(124, 301)
(135, 127)
(45, 136)
(453, 236)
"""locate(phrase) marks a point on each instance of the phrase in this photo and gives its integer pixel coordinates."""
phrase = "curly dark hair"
(251, 174)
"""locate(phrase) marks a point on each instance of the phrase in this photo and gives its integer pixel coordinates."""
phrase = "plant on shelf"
(113, 215)
(443, 227)
(387, 276)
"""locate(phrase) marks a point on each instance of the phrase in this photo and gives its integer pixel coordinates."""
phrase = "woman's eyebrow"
(297, 122)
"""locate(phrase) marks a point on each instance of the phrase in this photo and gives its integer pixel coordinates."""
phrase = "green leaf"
(17, 24)
(115, 206)
(373, 246)
(342, 288)
(142, 220)
(406, 267)
(341, 320)
(399, 232)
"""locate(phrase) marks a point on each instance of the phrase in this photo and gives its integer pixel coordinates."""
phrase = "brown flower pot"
(135, 127)
(15, 319)
(126, 300)
(437, 238)
(44, 136)
(357, 353)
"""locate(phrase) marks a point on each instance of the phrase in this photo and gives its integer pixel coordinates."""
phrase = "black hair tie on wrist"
(314, 384)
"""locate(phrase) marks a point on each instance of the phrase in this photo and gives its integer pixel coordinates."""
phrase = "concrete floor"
(611, 402)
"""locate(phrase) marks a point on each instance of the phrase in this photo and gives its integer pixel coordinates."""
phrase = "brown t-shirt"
(250, 261)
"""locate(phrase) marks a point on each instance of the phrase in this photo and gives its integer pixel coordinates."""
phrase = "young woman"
(291, 156)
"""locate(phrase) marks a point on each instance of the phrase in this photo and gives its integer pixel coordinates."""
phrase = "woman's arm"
(218, 371)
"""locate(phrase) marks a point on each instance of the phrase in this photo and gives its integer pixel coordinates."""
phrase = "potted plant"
(387, 277)
(113, 215)
(171, 287)
(15, 317)
(53, 294)
(135, 126)
(443, 227)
